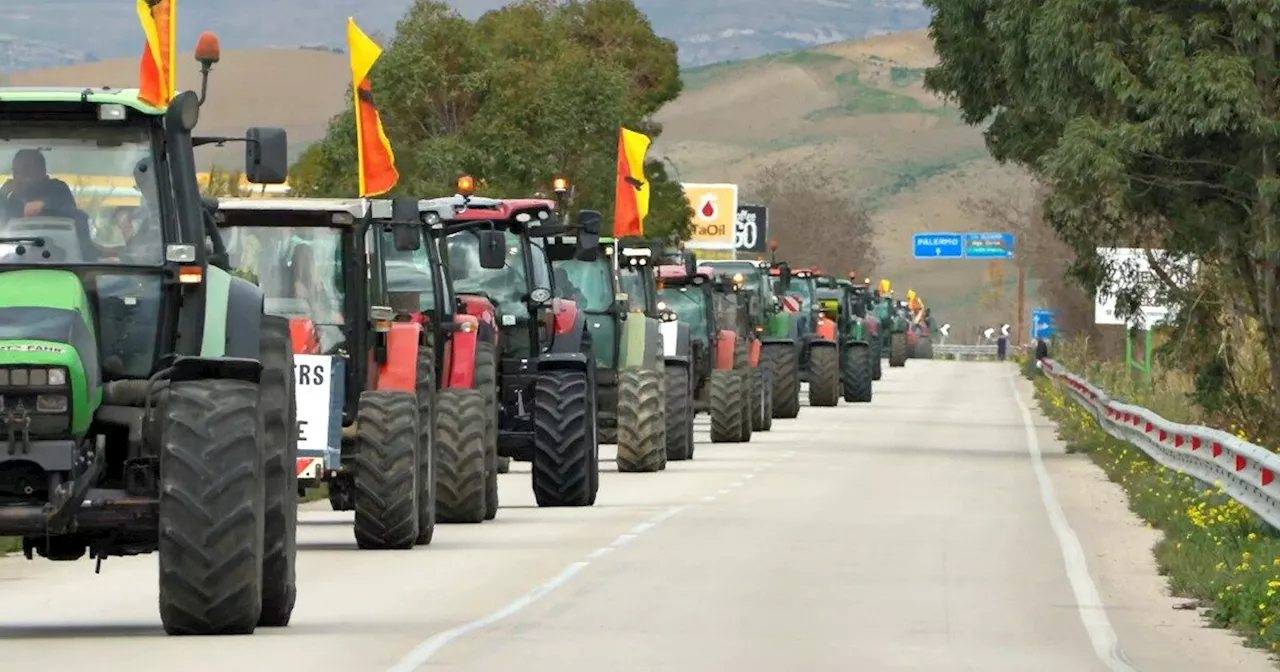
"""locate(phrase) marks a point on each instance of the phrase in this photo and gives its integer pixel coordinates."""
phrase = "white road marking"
(1093, 613)
(424, 652)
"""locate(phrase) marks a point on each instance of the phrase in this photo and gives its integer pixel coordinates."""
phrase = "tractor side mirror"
(493, 250)
(784, 277)
(588, 246)
(405, 231)
(266, 155)
(690, 264)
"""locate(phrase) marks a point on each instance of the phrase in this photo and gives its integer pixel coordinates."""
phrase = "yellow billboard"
(715, 208)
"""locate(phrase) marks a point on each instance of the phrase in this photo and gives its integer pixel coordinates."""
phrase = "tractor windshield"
(79, 194)
(728, 310)
(633, 284)
(410, 285)
(803, 289)
(299, 270)
(755, 277)
(507, 286)
(586, 282)
(690, 306)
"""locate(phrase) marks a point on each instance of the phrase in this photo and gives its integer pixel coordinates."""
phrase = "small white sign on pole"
(1127, 262)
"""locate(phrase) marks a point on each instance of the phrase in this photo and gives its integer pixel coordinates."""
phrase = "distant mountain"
(45, 33)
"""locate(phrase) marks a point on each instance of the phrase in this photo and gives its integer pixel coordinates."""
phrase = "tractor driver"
(32, 192)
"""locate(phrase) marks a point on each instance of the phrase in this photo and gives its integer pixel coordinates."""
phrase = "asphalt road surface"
(925, 531)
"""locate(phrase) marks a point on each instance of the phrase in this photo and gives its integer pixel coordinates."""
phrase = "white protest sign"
(312, 382)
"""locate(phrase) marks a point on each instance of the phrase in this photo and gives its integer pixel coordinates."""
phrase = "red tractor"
(365, 383)
(543, 390)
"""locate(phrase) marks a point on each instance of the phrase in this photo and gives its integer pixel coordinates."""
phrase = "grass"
(1214, 550)
(905, 176)
(903, 76)
(859, 98)
(701, 76)
(14, 544)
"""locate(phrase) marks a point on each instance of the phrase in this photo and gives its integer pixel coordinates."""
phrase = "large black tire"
(504, 465)
(609, 435)
(212, 509)
(824, 376)
(898, 350)
(642, 422)
(486, 381)
(460, 472)
(926, 348)
(563, 452)
(386, 470)
(855, 373)
(280, 444)
(727, 415)
(762, 397)
(679, 413)
(785, 360)
(426, 446)
(746, 403)
(875, 363)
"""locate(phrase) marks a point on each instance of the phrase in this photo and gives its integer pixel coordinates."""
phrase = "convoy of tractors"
(395, 352)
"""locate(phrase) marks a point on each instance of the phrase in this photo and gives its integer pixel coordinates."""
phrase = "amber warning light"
(466, 186)
(208, 49)
(560, 185)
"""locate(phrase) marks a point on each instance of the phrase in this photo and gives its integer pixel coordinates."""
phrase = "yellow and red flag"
(633, 188)
(378, 173)
(158, 74)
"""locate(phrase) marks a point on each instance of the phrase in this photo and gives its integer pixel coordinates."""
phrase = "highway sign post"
(1043, 323)
(938, 245)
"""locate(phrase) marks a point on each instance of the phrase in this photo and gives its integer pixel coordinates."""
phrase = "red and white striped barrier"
(1244, 471)
(791, 304)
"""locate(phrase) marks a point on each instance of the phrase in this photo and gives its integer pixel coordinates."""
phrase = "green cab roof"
(68, 94)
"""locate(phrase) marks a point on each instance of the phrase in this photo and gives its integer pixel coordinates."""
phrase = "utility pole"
(1022, 301)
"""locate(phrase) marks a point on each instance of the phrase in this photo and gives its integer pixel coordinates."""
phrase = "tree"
(524, 94)
(1154, 125)
(815, 224)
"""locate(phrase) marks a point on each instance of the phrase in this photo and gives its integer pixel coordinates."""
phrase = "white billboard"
(1130, 263)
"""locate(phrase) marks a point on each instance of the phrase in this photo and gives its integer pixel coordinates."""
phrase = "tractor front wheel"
(679, 413)
(642, 441)
(212, 508)
(897, 350)
(460, 471)
(855, 373)
(386, 470)
(280, 442)
(762, 394)
(747, 402)
(824, 376)
(426, 388)
(725, 392)
(487, 382)
(564, 454)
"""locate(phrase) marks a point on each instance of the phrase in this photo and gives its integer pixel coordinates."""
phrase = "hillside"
(45, 33)
(858, 108)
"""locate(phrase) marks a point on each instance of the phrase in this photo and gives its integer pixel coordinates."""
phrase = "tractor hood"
(46, 324)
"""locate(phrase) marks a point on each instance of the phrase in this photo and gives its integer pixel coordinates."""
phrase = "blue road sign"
(988, 245)
(1042, 323)
(938, 245)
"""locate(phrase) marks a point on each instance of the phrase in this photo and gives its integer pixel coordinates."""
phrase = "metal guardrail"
(1244, 471)
(965, 351)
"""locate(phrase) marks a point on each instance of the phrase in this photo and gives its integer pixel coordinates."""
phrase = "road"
(910, 534)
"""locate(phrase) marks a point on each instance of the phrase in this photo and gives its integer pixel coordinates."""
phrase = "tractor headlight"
(51, 403)
(57, 376)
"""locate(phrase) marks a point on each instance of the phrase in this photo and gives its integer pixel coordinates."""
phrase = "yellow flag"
(885, 286)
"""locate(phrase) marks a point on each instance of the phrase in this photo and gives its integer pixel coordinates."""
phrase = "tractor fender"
(825, 329)
(562, 361)
(241, 319)
(186, 369)
(642, 343)
(400, 372)
(817, 342)
(913, 337)
(725, 342)
(778, 340)
(480, 308)
(572, 338)
(754, 352)
(302, 332)
(460, 358)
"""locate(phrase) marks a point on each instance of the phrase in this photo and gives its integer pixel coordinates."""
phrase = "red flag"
(378, 173)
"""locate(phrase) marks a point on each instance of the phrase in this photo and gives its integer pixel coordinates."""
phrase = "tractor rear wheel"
(746, 403)
(642, 422)
(460, 441)
(212, 508)
(785, 360)
(563, 447)
(426, 388)
(855, 373)
(725, 392)
(280, 442)
(679, 413)
(386, 470)
(926, 348)
(824, 376)
(486, 381)
(898, 350)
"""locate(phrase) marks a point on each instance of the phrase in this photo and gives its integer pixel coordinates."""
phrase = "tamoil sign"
(715, 211)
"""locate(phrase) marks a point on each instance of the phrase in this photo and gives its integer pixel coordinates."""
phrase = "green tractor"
(841, 304)
(894, 321)
(147, 398)
(816, 334)
(630, 377)
(776, 330)
(637, 263)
